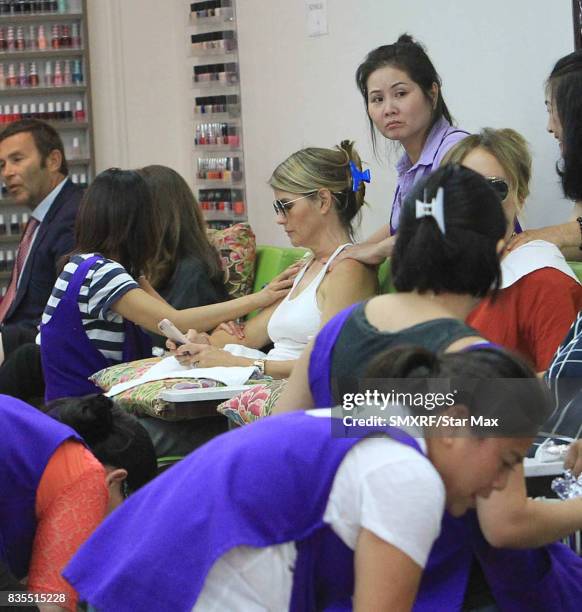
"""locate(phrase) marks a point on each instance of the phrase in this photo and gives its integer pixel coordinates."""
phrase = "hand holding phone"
(172, 332)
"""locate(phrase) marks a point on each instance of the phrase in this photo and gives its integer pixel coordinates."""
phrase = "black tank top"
(359, 342)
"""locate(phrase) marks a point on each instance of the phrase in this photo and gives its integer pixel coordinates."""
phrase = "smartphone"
(172, 332)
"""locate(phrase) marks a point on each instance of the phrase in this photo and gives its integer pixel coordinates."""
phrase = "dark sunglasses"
(499, 185)
(282, 207)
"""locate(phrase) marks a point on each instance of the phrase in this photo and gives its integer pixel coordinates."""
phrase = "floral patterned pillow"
(253, 404)
(237, 247)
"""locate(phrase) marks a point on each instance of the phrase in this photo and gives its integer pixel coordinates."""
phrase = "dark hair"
(565, 85)
(46, 139)
(116, 438)
(464, 259)
(116, 219)
(490, 382)
(408, 55)
(180, 227)
(308, 170)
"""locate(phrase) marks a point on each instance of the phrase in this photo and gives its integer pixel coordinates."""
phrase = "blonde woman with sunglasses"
(318, 195)
(540, 295)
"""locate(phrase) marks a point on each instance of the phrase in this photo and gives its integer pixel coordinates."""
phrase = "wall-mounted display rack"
(217, 134)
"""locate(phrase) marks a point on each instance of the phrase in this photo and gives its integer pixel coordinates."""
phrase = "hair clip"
(435, 209)
(358, 177)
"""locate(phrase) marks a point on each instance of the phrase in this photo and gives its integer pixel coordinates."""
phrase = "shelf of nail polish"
(219, 169)
(56, 74)
(27, 18)
(40, 39)
(58, 112)
(224, 202)
(215, 75)
(11, 226)
(41, 55)
(214, 11)
(217, 135)
(43, 91)
(20, 8)
(213, 43)
(217, 105)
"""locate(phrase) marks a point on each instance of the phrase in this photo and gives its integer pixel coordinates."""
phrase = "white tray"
(533, 467)
(202, 395)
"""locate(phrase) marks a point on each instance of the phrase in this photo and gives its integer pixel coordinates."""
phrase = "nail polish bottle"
(27, 7)
(77, 76)
(67, 78)
(58, 75)
(11, 80)
(32, 38)
(24, 113)
(63, 6)
(66, 41)
(76, 149)
(22, 78)
(48, 75)
(20, 45)
(33, 111)
(41, 40)
(51, 113)
(75, 36)
(2, 77)
(4, 7)
(3, 43)
(83, 180)
(14, 224)
(45, 6)
(2, 228)
(10, 39)
(7, 113)
(33, 75)
(9, 260)
(59, 113)
(42, 114)
(55, 36)
(79, 111)
(23, 221)
(3, 267)
(54, 6)
(68, 112)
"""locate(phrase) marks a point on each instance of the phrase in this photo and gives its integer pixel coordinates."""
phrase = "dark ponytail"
(463, 259)
(114, 437)
(491, 383)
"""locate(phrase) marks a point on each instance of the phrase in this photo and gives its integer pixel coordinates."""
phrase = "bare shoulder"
(350, 268)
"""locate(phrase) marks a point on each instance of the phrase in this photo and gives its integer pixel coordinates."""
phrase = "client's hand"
(573, 459)
(193, 336)
(233, 328)
(206, 356)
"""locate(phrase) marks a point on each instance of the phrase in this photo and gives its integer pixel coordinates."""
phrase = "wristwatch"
(260, 365)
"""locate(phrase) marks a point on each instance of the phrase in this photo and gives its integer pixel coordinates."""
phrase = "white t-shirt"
(382, 485)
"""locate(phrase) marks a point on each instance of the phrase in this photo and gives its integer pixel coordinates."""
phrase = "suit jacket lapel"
(40, 235)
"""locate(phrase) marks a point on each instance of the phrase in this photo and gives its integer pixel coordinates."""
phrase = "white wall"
(297, 91)
(141, 82)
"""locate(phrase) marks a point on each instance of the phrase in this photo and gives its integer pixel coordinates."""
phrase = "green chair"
(576, 268)
(270, 261)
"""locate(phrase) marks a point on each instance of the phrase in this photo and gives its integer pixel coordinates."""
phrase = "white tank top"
(295, 321)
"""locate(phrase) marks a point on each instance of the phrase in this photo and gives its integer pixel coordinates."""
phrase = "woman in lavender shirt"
(403, 98)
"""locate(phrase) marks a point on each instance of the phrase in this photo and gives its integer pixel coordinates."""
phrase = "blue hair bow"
(358, 177)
